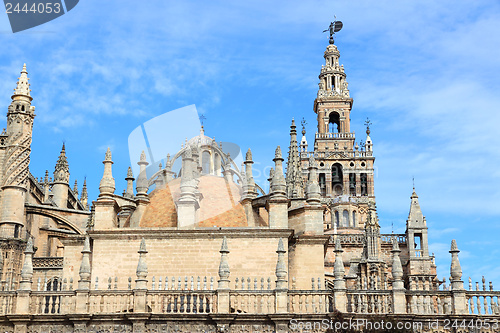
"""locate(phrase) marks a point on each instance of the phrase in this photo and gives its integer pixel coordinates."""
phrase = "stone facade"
(205, 249)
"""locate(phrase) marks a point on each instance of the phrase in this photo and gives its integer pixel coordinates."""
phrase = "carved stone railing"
(7, 302)
(306, 301)
(336, 153)
(52, 302)
(483, 302)
(387, 238)
(47, 262)
(182, 301)
(424, 302)
(111, 301)
(335, 135)
(252, 301)
(257, 301)
(369, 301)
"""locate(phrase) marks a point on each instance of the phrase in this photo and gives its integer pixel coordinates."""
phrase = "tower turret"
(61, 180)
(16, 158)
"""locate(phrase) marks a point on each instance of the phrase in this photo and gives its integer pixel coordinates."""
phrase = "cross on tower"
(202, 118)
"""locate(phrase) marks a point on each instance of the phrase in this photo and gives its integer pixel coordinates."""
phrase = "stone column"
(339, 286)
(281, 282)
(23, 293)
(82, 293)
(278, 201)
(141, 283)
(223, 283)
(398, 289)
(457, 285)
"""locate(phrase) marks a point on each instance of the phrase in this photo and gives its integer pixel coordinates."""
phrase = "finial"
(129, 173)
(143, 156)
(303, 123)
(278, 152)
(368, 123)
(281, 248)
(249, 155)
(107, 156)
(224, 248)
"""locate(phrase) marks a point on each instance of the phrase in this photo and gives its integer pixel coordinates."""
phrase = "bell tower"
(345, 167)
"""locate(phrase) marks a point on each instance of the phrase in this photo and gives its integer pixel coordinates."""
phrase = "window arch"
(334, 122)
(205, 162)
(337, 178)
(337, 222)
(354, 219)
(345, 218)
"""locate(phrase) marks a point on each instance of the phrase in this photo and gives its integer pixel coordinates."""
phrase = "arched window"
(322, 183)
(337, 222)
(205, 162)
(337, 178)
(354, 219)
(352, 183)
(334, 123)
(345, 218)
(217, 164)
(364, 184)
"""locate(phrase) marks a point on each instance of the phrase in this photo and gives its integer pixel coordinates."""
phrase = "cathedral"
(203, 248)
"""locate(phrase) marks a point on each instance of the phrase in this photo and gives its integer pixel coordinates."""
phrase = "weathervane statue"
(334, 27)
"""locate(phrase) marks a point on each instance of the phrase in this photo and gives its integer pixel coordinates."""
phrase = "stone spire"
(27, 271)
(397, 269)
(46, 187)
(293, 170)
(224, 272)
(455, 269)
(84, 198)
(338, 266)
(23, 86)
(75, 188)
(278, 184)
(281, 271)
(415, 217)
(85, 271)
(142, 267)
(107, 184)
(313, 194)
(61, 172)
(249, 188)
(142, 179)
(129, 193)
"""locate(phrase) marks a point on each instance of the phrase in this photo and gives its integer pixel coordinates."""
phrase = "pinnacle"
(129, 173)
(29, 246)
(142, 247)
(224, 248)
(108, 155)
(278, 152)
(338, 247)
(281, 248)
(249, 155)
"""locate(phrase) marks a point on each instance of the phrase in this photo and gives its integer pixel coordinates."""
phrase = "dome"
(219, 204)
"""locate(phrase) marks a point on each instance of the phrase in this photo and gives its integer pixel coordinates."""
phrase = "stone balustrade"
(483, 302)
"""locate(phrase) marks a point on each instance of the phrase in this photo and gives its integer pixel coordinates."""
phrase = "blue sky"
(425, 73)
